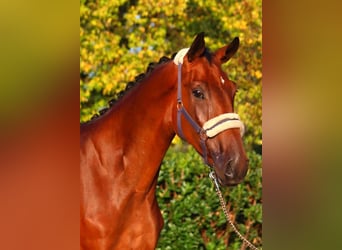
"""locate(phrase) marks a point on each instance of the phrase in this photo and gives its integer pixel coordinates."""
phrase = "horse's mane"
(131, 84)
(138, 79)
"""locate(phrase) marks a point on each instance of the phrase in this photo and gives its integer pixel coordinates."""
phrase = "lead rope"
(225, 211)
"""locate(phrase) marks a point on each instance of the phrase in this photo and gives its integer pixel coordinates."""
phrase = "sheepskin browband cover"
(180, 55)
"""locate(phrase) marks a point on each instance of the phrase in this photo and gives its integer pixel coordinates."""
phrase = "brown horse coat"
(122, 150)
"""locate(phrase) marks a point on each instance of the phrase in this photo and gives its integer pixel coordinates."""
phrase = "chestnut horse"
(122, 150)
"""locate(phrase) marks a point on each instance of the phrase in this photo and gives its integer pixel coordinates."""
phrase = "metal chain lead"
(224, 208)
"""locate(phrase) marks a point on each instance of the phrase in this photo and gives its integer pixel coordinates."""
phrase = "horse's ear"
(197, 47)
(226, 52)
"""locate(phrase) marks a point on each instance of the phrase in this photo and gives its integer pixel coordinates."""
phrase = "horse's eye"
(198, 93)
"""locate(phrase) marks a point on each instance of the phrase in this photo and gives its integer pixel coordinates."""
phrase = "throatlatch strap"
(179, 124)
(179, 87)
(179, 101)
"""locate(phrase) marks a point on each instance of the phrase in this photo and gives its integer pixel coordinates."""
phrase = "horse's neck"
(140, 125)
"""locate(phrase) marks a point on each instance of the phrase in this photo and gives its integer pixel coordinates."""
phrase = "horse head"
(204, 114)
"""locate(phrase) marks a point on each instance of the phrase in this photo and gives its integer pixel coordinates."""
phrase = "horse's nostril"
(229, 174)
(229, 169)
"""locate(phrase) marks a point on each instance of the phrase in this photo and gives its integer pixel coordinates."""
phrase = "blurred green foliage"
(191, 209)
(118, 39)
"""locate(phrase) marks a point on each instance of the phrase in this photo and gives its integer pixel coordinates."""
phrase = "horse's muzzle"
(232, 171)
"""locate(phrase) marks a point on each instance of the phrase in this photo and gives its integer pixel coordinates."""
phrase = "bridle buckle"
(203, 135)
(179, 105)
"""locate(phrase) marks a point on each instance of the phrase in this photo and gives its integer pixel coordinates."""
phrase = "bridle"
(210, 128)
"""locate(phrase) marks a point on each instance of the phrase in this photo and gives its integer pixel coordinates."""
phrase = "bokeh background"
(301, 121)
